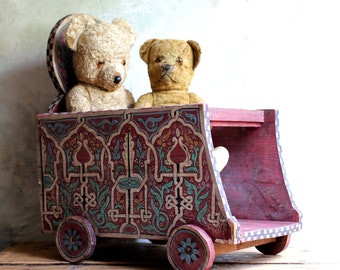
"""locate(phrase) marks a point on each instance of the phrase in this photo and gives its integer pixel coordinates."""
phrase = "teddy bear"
(171, 66)
(101, 53)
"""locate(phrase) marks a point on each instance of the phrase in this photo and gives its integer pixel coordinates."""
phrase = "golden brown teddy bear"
(171, 67)
(100, 61)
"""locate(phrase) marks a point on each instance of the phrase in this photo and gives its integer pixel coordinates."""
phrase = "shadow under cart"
(150, 174)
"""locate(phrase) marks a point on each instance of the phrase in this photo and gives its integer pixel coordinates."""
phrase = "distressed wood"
(142, 173)
(254, 179)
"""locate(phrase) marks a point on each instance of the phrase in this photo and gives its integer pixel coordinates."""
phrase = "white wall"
(256, 54)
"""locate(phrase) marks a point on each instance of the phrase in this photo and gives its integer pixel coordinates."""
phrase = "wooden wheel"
(75, 239)
(276, 247)
(190, 247)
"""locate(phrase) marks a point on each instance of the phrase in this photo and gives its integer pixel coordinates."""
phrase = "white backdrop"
(255, 54)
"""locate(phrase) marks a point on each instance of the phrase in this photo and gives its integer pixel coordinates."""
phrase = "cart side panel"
(254, 179)
(136, 173)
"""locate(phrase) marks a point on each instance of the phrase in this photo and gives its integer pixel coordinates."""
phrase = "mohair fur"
(100, 61)
(171, 67)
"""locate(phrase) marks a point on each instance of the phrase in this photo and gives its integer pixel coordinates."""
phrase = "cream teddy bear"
(100, 62)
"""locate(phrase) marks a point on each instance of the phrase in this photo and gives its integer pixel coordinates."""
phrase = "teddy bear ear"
(197, 52)
(145, 50)
(77, 26)
(127, 28)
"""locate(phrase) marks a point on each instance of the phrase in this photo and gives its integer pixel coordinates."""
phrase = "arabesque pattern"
(133, 173)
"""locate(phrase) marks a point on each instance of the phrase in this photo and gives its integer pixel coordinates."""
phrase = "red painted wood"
(143, 173)
(253, 179)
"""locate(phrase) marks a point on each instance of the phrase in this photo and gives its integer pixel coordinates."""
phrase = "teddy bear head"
(171, 63)
(101, 50)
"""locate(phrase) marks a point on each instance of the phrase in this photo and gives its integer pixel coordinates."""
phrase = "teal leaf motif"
(194, 156)
(99, 216)
(70, 168)
(160, 219)
(201, 213)
(151, 123)
(118, 206)
(105, 123)
(140, 155)
(198, 198)
(157, 196)
(116, 152)
(66, 198)
(162, 167)
(47, 182)
(59, 129)
(95, 167)
(192, 117)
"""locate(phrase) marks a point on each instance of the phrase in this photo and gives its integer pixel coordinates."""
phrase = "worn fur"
(100, 61)
(171, 66)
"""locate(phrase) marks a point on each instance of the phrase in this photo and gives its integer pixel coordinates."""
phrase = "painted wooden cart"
(150, 174)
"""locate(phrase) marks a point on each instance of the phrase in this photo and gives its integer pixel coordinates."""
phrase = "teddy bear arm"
(193, 98)
(77, 99)
(144, 101)
(130, 101)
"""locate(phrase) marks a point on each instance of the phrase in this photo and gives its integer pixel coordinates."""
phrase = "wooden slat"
(220, 117)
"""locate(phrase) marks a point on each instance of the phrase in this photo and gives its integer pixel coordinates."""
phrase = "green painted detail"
(99, 216)
(198, 198)
(116, 158)
(95, 167)
(127, 183)
(140, 154)
(70, 168)
(160, 220)
(162, 167)
(66, 197)
(194, 157)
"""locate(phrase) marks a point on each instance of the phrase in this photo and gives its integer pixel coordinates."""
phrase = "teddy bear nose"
(166, 67)
(117, 79)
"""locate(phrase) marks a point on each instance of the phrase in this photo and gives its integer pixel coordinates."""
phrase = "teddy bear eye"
(180, 59)
(100, 63)
(159, 58)
(124, 62)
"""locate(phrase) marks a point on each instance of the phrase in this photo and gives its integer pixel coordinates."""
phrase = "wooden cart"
(150, 174)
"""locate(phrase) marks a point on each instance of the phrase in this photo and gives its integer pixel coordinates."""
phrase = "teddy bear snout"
(117, 79)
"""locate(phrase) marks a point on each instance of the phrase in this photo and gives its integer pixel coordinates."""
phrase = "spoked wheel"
(276, 247)
(190, 247)
(75, 239)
